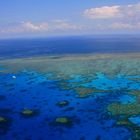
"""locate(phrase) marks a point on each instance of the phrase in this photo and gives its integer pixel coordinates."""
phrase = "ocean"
(68, 45)
(80, 88)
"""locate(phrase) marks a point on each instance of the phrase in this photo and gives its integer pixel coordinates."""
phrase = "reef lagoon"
(65, 97)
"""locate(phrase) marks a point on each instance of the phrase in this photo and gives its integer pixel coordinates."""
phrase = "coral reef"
(5, 124)
(135, 130)
(124, 109)
(2, 120)
(63, 85)
(62, 103)
(109, 64)
(29, 113)
(135, 92)
(87, 91)
(65, 121)
(83, 91)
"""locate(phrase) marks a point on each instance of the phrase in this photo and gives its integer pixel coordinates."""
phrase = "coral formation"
(62, 120)
(62, 103)
(2, 120)
(124, 109)
(86, 91)
(29, 113)
(66, 121)
(5, 124)
(135, 130)
(135, 92)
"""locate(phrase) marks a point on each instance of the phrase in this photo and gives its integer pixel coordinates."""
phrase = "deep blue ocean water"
(88, 117)
(69, 45)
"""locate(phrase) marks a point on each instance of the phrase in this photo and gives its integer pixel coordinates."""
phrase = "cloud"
(30, 27)
(104, 12)
(125, 26)
(65, 25)
(117, 17)
(111, 12)
(25, 27)
(116, 26)
(122, 26)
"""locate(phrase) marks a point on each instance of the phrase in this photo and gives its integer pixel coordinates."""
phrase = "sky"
(42, 18)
